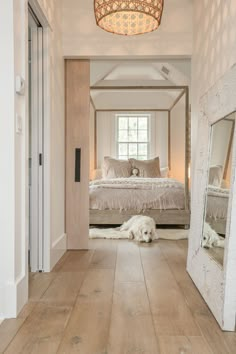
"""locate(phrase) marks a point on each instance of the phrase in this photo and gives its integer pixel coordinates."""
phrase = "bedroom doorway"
(139, 116)
(36, 139)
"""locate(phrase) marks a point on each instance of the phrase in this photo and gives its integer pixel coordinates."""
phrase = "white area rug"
(115, 233)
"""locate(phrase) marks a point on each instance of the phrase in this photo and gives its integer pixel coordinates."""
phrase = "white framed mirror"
(213, 268)
(218, 188)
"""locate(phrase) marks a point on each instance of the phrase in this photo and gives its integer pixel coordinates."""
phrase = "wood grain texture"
(128, 265)
(103, 259)
(66, 294)
(172, 316)
(42, 331)
(75, 261)
(77, 136)
(131, 329)
(184, 345)
(96, 306)
(88, 328)
(38, 284)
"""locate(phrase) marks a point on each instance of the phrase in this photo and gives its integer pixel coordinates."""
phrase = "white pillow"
(147, 168)
(164, 172)
(113, 168)
(215, 175)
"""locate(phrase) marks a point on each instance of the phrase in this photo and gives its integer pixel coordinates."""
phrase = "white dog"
(211, 238)
(141, 228)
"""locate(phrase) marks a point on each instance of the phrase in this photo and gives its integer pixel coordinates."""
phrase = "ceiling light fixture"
(128, 17)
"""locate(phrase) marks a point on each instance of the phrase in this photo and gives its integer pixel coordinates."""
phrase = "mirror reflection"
(217, 193)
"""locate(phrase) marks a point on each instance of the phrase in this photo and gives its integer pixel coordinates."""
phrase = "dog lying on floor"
(141, 228)
(211, 238)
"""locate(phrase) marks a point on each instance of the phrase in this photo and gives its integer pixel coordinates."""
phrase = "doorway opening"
(36, 139)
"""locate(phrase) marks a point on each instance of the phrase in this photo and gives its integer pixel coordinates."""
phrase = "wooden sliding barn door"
(77, 84)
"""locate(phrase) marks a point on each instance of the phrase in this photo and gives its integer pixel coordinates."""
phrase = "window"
(133, 136)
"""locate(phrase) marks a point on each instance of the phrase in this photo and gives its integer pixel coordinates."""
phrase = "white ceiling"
(138, 73)
(83, 38)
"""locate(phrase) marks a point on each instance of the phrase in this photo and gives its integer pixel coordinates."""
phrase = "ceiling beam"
(134, 110)
(118, 88)
(177, 100)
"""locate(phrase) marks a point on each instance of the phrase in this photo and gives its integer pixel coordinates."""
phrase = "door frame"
(46, 113)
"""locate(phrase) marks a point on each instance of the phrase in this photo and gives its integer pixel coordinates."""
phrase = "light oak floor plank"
(171, 314)
(103, 259)
(128, 266)
(64, 289)
(117, 298)
(8, 330)
(131, 329)
(42, 330)
(175, 256)
(88, 328)
(38, 284)
(76, 261)
(184, 345)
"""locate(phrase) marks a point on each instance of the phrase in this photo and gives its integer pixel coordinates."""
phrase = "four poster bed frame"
(161, 217)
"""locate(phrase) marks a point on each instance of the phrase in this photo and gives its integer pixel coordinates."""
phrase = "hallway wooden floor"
(116, 298)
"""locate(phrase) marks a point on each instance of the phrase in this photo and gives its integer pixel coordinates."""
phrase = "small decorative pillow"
(164, 172)
(113, 168)
(147, 168)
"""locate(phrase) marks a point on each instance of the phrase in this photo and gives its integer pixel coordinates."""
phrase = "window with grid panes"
(133, 136)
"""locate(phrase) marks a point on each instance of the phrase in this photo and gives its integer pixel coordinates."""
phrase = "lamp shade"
(128, 17)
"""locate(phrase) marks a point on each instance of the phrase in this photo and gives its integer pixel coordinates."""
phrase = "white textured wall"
(214, 52)
(81, 36)
(214, 48)
(13, 147)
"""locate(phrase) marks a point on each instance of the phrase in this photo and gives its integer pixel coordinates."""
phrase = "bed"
(115, 200)
(217, 208)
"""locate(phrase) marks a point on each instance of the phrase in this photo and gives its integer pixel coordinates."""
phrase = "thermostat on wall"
(20, 85)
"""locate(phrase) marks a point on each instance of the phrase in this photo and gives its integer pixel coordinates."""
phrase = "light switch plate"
(20, 85)
(18, 124)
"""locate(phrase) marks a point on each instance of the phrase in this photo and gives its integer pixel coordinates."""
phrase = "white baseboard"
(59, 247)
(13, 297)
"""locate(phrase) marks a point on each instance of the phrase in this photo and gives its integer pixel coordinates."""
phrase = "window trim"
(130, 115)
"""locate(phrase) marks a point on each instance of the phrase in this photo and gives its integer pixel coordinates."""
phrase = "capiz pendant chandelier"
(128, 17)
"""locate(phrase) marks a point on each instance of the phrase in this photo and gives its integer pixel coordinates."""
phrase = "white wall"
(214, 50)
(81, 36)
(13, 151)
(11, 228)
(57, 136)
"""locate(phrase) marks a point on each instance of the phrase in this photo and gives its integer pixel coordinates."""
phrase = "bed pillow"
(215, 175)
(113, 168)
(164, 172)
(147, 168)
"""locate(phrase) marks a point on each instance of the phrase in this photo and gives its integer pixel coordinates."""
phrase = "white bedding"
(137, 194)
(217, 202)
